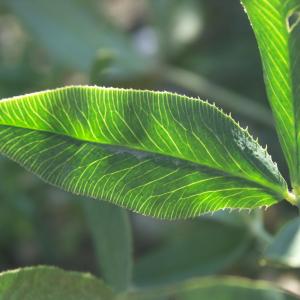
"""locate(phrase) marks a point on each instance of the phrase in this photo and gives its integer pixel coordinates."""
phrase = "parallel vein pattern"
(277, 31)
(159, 154)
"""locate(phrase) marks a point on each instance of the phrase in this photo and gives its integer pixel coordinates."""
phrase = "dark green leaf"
(50, 283)
(159, 154)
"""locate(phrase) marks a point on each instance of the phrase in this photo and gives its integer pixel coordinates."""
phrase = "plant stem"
(292, 198)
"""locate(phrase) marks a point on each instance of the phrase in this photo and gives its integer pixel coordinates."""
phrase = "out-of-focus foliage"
(194, 39)
(52, 284)
(111, 232)
(285, 248)
(38, 283)
(205, 255)
(217, 289)
(72, 33)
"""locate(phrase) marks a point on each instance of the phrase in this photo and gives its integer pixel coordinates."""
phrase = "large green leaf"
(111, 232)
(276, 26)
(226, 288)
(51, 284)
(170, 262)
(159, 154)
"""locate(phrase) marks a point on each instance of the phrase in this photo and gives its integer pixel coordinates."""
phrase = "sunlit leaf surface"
(277, 30)
(157, 153)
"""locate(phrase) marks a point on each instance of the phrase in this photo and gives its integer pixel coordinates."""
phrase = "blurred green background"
(196, 47)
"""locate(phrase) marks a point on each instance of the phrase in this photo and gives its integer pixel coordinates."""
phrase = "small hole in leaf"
(293, 20)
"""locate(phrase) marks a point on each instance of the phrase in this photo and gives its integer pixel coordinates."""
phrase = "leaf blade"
(167, 155)
(279, 48)
(51, 283)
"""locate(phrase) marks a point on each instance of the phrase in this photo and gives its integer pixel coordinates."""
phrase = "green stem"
(292, 198)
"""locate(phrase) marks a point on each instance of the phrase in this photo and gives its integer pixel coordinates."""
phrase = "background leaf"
(190, 251)
(123, 146)
(285, 248)
(51, 283)
(111, 232)
(217, 289)
(278, 34)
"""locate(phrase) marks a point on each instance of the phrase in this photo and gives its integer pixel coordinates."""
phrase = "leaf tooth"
(267, 155)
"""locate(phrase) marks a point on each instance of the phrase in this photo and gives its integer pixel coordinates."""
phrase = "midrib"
(272, 187)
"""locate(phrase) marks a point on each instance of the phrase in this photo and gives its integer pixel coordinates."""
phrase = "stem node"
(291, 198)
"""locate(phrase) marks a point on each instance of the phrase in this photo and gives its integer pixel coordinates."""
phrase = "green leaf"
(277, 30)
(111, 232)
(51, 283)
(285, 248)
(157, 153)
(222, 288)
(170, 262)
